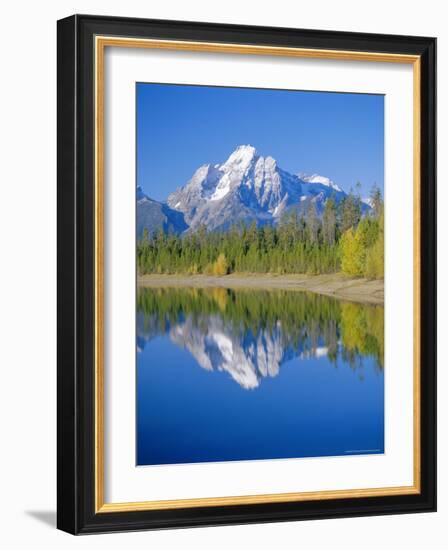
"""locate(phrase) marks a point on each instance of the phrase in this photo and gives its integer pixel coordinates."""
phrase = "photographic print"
(260, 266)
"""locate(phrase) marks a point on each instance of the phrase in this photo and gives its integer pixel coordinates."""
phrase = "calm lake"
(243, 375)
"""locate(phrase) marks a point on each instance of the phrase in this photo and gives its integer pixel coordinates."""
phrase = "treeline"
(340, 240)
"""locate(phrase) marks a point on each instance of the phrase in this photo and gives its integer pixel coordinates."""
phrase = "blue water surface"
(228, 385)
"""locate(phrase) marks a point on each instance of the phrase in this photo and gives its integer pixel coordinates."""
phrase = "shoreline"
(367, 291)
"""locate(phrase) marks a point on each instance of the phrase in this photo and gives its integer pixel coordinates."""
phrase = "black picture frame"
(76, 256)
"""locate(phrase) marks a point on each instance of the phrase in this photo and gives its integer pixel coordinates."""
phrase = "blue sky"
(179, 128)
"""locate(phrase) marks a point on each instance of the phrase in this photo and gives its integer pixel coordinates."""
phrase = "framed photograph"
(246, 274)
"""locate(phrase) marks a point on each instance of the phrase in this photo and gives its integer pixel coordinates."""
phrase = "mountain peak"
(248, 187)
(246, 148)
(242, 155)
(317, 178)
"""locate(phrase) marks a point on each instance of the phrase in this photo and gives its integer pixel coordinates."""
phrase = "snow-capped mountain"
(316, 178)
(247, 187)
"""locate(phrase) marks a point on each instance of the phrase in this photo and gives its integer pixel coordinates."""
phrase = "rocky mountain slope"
(247, 187)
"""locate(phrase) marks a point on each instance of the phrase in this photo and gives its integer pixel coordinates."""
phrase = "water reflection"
(251, 334)
(246, 375)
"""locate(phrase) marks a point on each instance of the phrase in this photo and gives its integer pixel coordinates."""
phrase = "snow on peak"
(222, 189)
(270, 163)
(234, 170)
(242, 156)
(200, 174)
(317, 178)
(247, 186)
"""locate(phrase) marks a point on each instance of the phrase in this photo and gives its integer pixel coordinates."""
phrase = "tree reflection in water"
(250, 334)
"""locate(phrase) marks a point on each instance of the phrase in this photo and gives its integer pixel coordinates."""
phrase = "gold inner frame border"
(100, 44)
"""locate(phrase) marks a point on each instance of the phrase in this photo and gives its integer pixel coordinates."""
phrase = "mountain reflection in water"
(250, 334)
(228, 375)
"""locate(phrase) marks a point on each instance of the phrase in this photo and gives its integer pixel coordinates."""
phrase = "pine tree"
(329, 222)
(350, 211)
(375, 254)
(312, 223)
(376, 201)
